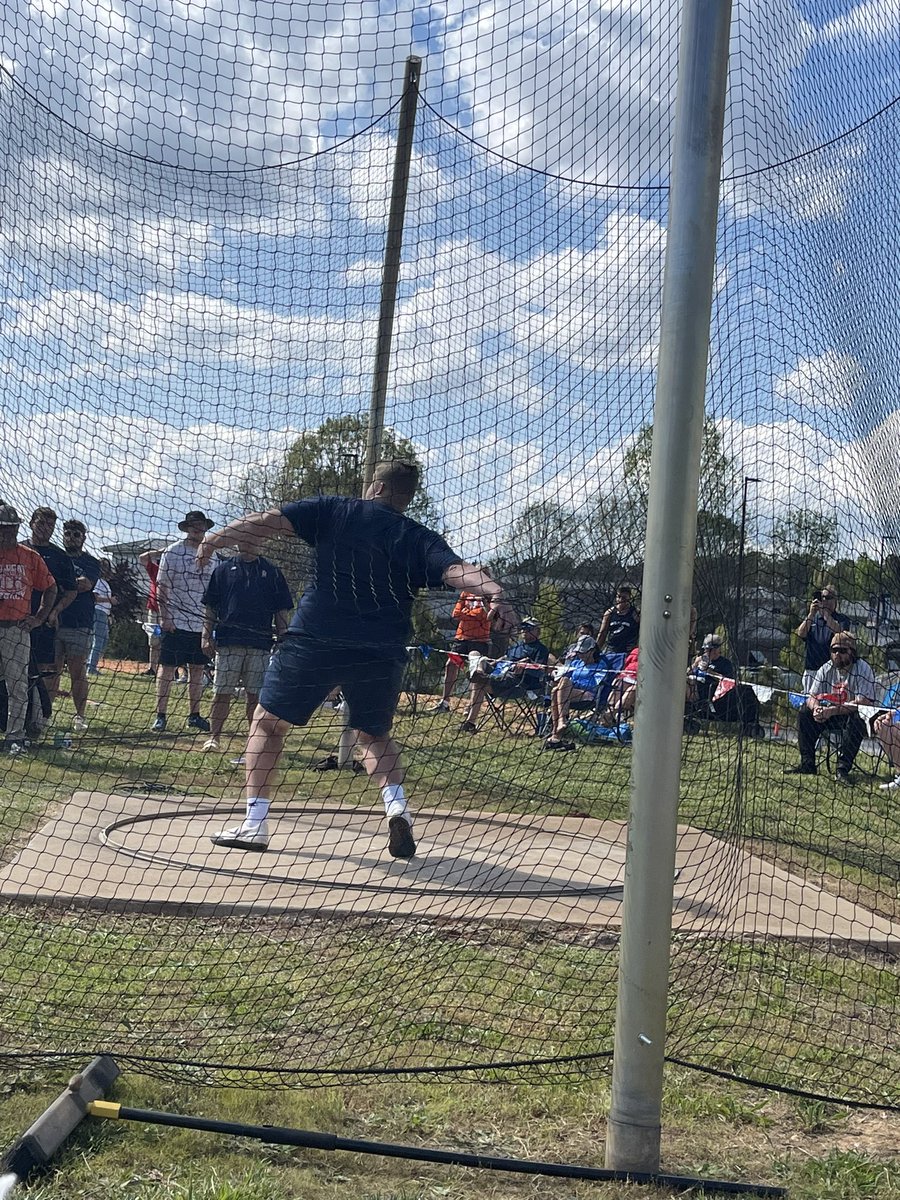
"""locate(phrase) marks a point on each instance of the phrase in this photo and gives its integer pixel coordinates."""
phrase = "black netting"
(190, 274)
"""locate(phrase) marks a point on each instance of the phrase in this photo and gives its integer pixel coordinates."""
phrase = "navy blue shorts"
(181, 648)
(303, 671)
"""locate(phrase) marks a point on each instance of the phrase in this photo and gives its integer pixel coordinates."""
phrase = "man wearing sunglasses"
(817, 629)
(837, 691)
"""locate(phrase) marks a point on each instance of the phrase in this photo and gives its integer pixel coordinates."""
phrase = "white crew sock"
(257, 810)
(394, 801)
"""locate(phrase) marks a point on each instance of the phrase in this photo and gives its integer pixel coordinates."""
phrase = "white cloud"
(829, 379)
(871, 21)
(128, 475)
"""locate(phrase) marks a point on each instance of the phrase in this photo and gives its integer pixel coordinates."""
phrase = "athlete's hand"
(205, 551)
(502, 615)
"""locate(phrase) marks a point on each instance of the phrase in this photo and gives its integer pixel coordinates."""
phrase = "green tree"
(549, 611)
(544, 544)
(328, 461)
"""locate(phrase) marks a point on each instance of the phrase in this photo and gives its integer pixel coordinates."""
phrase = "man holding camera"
(817, 629)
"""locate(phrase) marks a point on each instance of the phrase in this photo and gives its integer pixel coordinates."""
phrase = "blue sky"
(172, 320)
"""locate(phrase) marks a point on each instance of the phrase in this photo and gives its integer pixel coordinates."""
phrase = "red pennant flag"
(455, 658)
(725, 686)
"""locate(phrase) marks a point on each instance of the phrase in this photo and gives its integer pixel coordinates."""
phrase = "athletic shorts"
(237, 665)
(463, 647)
(181, 649)
(43, 644)
(76, 642)
(303, 671)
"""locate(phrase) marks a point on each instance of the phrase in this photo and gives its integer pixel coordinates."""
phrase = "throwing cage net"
(196, 209)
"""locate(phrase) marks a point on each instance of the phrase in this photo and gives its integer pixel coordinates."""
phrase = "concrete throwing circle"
(346, 849)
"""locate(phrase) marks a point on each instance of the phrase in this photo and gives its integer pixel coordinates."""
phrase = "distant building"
(130, 552)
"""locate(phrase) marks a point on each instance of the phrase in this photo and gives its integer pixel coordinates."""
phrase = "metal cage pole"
(391, 269)
(633, 1139)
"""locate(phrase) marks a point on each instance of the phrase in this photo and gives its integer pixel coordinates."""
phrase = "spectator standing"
(60, 566)
(472, 633)
(817, 629)
(149, 560)
(23, 574)
(620, 625)
(839, 687)
(75, 632)
(511, 676)
(245, 596)
(181, 584)
(350, 629)
(103, 602)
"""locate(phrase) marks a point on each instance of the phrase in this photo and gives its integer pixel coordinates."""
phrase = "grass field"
(789, 1012)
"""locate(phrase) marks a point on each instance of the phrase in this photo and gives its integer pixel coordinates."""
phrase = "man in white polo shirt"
(180, 586)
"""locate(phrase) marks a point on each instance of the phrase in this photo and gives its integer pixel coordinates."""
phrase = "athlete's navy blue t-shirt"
(622, 631)
(60, 567)
(246, 596)
(80, 613)
(370, 562)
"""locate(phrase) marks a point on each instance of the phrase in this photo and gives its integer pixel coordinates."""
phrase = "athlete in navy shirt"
(349, 631)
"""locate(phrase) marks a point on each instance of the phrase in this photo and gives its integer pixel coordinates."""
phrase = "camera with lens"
(817, 595)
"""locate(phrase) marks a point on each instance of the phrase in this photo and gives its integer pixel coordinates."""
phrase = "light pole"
(739, 591)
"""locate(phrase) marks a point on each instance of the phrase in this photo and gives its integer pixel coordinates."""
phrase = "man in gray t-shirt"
(838, 689)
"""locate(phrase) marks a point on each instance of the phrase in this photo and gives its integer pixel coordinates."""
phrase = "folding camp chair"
(525, 702)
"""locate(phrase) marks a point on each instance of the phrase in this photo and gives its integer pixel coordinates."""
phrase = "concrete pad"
(145, 854)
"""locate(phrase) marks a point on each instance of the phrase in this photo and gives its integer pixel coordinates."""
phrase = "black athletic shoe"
(326, 764)
(468, 727)
(195, 721)
(800, 769)
(558, 744)
(401, 843)
(842, 776)
(159, 724)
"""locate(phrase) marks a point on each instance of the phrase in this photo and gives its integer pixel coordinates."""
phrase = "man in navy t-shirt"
(242, 600)
(350, 631)
(75, 633)
(513, 675)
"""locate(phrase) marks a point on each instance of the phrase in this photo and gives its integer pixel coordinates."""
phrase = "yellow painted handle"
(104, 1108)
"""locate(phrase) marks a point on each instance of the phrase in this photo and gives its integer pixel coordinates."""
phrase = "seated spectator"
(508, 677)
(838, 689)
(581, 681)
(473, 633)
(817, 629)
(623, 693)
(887, 730)
(585, 645)
(714, 692)
(620, 625)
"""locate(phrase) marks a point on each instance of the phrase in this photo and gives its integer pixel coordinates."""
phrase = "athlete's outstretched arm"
(246, 533)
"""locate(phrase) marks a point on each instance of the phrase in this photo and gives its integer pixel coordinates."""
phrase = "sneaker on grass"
(14, 748)
(159, 724)
(441, 706)
(892, 785)
(247, 836)
(211, 744)
(195, 721)
(79, 725)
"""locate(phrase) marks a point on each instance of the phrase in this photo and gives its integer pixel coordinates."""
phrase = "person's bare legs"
(451, 674)
(164, 677)
(77, 665)
(251, 705)
(476, 696)
(195, 685)
(218, 713)
(381, 758)
(888, 732)
(265, 745)
(560, 698)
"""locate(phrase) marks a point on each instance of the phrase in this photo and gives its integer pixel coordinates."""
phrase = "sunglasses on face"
(840, 650)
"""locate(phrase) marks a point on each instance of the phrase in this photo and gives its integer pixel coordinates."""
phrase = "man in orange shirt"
(472, 633)
(22, 571)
